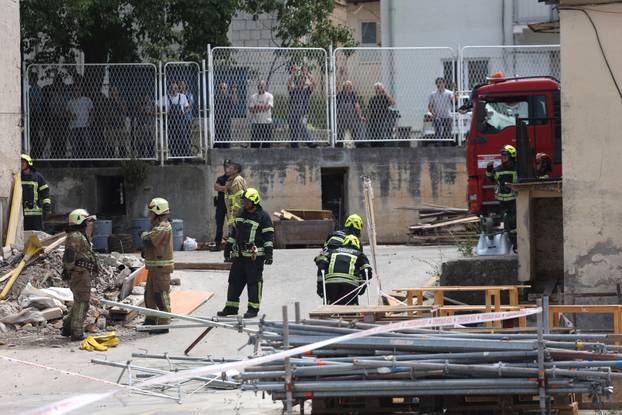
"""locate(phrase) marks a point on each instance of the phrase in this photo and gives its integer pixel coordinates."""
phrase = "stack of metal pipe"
(429, 362)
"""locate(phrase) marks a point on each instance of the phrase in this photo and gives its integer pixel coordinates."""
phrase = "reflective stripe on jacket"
(252, 229)
(35, 193)
(159, 247)
(504, 174)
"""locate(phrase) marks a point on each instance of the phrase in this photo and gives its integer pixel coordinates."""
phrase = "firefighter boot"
(251, 312)
(78, 314)
(228, 311)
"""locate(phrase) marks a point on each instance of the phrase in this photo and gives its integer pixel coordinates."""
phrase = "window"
(496, 114)
(368, 33)
(477, 71)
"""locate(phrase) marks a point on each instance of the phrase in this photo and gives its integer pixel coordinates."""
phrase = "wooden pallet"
(371, 313)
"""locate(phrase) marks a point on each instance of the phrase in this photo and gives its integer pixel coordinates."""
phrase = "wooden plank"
(186, 302)
(463, 288)
(471, 219)
(206, 266)
(361, 309)
(290, 216)
(15, 212)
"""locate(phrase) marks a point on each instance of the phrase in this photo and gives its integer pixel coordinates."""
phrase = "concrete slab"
(291, 278)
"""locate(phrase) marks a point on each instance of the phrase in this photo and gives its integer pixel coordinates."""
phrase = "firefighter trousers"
(509, 219)
(80, 285)
(157, 295)
(33, 222)
(245, 272)
(341, 293)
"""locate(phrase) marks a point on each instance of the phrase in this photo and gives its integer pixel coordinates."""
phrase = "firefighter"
(352, 226)
(234, 187)
(504, 174)
(249, 247)
(158, 254)
(544, 166)
(36, 200)
(79, 267)
(343, 272)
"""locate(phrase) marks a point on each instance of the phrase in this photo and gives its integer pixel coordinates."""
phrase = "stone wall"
(403, 178)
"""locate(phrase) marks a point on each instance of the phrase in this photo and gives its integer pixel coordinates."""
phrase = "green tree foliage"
(123, 30)
(303, 22)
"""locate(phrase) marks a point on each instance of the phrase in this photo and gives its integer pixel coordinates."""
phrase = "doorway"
(334, 196)
(110, 196)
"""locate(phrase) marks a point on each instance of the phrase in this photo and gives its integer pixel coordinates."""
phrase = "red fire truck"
(496, 108)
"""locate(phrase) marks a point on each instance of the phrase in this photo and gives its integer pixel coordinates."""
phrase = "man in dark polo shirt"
(221, 208)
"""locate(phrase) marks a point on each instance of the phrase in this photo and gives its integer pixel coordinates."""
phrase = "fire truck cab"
(497, 107)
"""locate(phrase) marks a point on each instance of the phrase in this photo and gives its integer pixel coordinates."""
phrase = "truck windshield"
(496, 114)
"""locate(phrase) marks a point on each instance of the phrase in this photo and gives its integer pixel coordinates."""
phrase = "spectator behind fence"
(79, 109)
(145, 129)
(381, 119)
(116, 135)
(189, 115)
(35, 106)
(225, 104)
(349, 114)
(56, 120)
(175, 106)
(300, 87)
(260, 108)
(440, 106)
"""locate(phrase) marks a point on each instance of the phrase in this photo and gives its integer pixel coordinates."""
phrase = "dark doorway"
(334, 196)
(110, 196)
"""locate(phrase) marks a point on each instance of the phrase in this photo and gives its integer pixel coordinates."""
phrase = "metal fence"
(390, 94)
(269, 95)
(91, 112)
(370, 97)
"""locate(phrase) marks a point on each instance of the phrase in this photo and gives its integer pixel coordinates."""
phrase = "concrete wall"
(10, 99)
(591, 109)
(403, 178)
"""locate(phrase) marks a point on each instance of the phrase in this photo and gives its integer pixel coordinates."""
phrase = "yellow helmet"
(510, 150)
(252, 194)
(27, 159)
(354, 221)
(351, 241)
(78, 216)
(159, 206)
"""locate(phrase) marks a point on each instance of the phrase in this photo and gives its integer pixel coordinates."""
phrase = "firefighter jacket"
(234, 188)
(79, 256)
(158, 243)
(334, 241)
(35, 193)
(252, 235)
(504, 174)
(344, 265)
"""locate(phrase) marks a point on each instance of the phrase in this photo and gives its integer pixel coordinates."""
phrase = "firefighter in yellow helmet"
(504, 174)
(343, 273)
(79, 267)
(158, 254)
(353, 225)
(249, 247)
(36, 201)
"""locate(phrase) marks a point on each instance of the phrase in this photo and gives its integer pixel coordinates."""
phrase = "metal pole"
(333, 94)
(205, 105)
(210, 85)
(541, 377)
(297, 312)
(161, 112)
(367, 287)
(324, 286)
(288, 368)
(545, 314)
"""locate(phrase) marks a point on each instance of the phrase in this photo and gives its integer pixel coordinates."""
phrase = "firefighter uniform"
(35, 197)
(249, 247)
(158, 253)
(352, 226)
(234, 188)
(345, 269)
(79, 266)
(505, 174)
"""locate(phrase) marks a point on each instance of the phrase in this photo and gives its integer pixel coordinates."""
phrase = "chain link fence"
(390, 94)
(263, 96)
(479, 62)
(181, 105)
(91, 112)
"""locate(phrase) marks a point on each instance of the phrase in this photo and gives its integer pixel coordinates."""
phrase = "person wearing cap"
(249, 247)
(221, 207)
(234, 187)
(158, 254)
(79, 267)
(505, 174)
(36, 202)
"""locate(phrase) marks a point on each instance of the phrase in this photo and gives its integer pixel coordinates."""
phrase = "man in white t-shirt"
(441, 104)
(79, 108)
(260, 108)
(176, 105)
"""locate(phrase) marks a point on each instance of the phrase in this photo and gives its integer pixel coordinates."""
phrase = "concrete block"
(52, 313)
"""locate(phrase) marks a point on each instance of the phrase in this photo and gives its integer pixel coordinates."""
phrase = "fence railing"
(262, 97)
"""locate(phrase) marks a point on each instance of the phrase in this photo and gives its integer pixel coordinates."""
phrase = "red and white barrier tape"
(67, 405)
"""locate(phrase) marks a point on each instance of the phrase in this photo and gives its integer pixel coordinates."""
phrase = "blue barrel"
(139, 225)
(101, 232)
(178, 234)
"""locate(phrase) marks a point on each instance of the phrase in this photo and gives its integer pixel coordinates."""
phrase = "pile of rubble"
(40, 297)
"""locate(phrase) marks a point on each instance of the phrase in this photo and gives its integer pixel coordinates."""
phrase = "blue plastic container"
(101, 231)
(139, 225)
